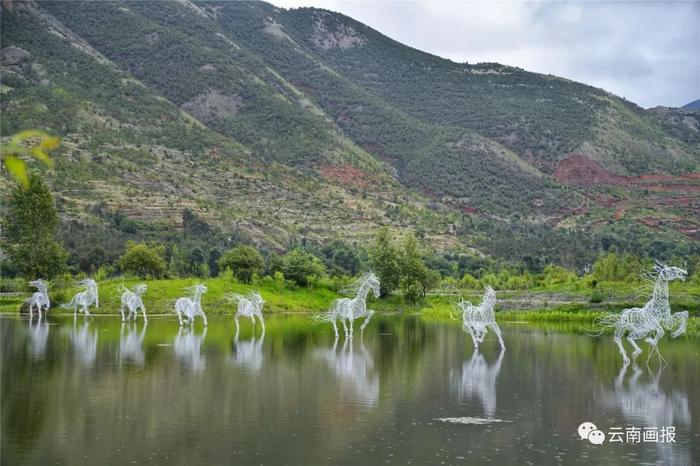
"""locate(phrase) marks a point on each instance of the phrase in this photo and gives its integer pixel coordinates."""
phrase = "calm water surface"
(96, 392)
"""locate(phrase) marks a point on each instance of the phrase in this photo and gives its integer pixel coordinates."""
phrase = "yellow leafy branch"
(31, 143)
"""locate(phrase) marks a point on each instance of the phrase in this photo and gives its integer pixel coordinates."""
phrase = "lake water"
(96, 392)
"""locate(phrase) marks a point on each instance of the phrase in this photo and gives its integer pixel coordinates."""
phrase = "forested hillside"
(204, 124)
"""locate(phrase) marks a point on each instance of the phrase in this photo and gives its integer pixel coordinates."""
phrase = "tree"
(213, 262)
(30, 228)
(302, 267)
(341, 258)
(244, 261)
(384, 258)
(145, 260)
(414, 273)
(195, 260)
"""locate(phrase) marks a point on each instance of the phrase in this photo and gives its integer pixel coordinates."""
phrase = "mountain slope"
(306, 124)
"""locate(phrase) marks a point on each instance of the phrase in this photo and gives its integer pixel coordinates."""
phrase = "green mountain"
(305, 125)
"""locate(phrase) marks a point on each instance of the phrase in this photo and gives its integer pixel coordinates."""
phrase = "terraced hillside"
(304, 124)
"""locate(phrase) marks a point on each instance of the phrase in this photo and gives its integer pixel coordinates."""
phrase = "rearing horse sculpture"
(86, 298)
(347, 310)
(649, 321)
(40, 298)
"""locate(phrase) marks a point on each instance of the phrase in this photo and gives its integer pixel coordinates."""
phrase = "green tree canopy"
(414, 274)
(30, 227)
(145, 260)
(302, 267)
(384, 258)
(244, 261)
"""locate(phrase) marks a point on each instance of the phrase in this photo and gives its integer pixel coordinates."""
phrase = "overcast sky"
(647, 52)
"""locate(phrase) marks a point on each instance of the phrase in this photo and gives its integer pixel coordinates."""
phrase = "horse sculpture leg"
(618, 340)
(370, 313)
(637, 350)
(345, 327)
(143, 311)
(496, 329)
(335, 328)
(470, 330)
(679, 319)
(121, 311)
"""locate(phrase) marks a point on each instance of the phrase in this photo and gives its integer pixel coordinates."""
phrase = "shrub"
(244, 261)
(144, 260)
(301, 267)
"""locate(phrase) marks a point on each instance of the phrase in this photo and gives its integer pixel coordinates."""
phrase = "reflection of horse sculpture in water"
(248, 306)
(347, 310)
(649, 321)
(645, 403)
(476, 320)
(84, 343)
(84, 299)
(132, 301)
(189, 308)
(131, 344)
(38, 336)
(40, 299)
(355, 370)
(188, 349)
(479, 378)
(248, 353)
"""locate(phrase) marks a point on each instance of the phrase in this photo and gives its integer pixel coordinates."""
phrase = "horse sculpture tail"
(70, 304)
(234, 297)
(605, 322)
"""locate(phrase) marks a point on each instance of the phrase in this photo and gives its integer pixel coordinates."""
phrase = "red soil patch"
(579, 170)
(345, 174)
(619, 212)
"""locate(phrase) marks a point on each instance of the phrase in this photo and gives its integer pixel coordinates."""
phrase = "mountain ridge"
(302, 124)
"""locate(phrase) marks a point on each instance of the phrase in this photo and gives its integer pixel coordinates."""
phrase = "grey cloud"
(647, 52)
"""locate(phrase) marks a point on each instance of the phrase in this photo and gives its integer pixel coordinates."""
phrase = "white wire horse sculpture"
(84, 299)
(347, 310)
(189, 308)
(649, 321)
(40, 299)
(476, 320)
(250, 305)
(132, 301)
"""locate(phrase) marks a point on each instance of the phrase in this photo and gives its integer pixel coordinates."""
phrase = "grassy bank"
(552, 305)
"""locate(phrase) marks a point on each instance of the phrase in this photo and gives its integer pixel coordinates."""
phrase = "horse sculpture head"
(88, 283)
(200, 289)
(668, 273)
(141, 289)
(256, 299)
(38, 284)
(373, 282)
